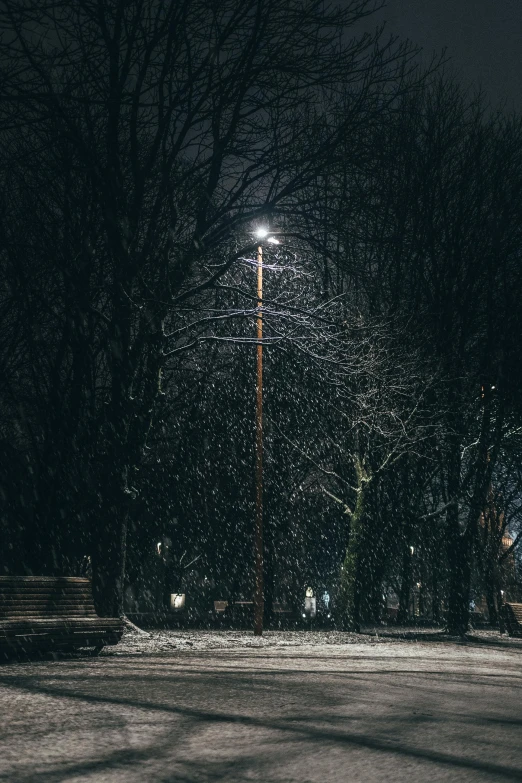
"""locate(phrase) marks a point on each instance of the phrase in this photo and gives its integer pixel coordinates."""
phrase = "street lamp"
(259, 600)
(262, 233)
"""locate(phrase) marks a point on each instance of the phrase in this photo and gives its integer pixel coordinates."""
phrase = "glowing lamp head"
(262, 233)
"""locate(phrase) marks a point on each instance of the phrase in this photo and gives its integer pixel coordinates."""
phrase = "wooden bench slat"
(23, 582)
(47, 597)
(59, 622)
(57, 633)
(45, 642)
(10, 617)
(45, 600)
(64, 643)
(47, 610)
(78, 597)
(15, 591)
(84, 638)
(95, 633)
(49, 606)
(39, 578)
(17, 615)
(47, 590)
(56, 644)
(47, 593)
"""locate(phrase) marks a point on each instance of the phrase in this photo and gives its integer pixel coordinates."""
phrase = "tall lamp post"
(259, 599)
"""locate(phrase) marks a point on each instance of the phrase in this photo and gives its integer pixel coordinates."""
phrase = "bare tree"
(186, 122)
(429, 232)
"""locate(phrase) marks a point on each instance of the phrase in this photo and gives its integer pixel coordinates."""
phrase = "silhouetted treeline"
(141, 146)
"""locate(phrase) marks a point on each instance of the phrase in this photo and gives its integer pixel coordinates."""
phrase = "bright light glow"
(273, 240)
(177, 601)
(261, 233)
(304, 615)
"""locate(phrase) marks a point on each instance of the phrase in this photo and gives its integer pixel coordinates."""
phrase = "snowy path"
(279, 711)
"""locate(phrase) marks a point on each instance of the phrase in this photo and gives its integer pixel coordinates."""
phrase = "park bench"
(512, 616)
(51, 613)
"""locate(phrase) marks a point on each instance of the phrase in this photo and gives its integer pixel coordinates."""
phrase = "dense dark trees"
(432, 239)
(141, 144)
(165, 130)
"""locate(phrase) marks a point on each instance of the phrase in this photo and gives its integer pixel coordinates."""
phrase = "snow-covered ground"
(158, 641)
(290, 707)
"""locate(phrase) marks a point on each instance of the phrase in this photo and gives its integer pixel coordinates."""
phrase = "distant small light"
(261, 233)
(177, 601)
(493, 387)
(304, 615)
(412, 549)
(329, 615)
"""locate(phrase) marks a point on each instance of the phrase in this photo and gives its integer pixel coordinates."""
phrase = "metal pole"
(258, 534)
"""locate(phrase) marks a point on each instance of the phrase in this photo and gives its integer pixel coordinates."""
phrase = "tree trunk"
(405, 593)
(110, 530)
(109, 549)
(492, 604)
(458, 547)
(350, 589)
(376, 601)
(500, 615)
(459, 559)
(435, 598)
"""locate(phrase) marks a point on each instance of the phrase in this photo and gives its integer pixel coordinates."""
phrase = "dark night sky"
(483, 39)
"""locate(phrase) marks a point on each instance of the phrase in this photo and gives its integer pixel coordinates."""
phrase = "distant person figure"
(86, 567)
(164, 559)
(326, 599)
(171, 572)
